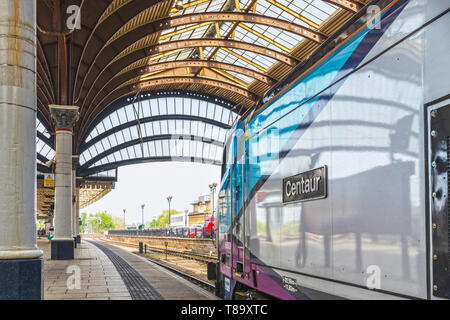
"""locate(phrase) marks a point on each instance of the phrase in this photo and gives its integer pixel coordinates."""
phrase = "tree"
(153, 224)
(118, 223)
(105, 219)
(40, 224)
(163, 219)
(83, 221)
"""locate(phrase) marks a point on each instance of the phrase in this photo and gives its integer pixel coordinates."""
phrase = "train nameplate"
(306, 186)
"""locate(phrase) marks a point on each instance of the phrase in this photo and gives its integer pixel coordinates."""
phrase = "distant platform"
(109, 272)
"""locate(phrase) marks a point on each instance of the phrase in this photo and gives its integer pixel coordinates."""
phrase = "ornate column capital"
(65, 116)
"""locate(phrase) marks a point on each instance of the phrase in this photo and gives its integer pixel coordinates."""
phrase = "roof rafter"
(134, 142)
(147, 29)
(129, 73)
(194, 18)
(196, 80)
(348, 5)
(114, 165)
(169, 46)
(210, 64)
(143, 120)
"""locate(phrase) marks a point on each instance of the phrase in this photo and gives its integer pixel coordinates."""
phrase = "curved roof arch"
(181, 126)
(112, 29)
(128, 74)
(147, 95)
(129, 57)
(139, 33)
(45, 145)
(138, 84)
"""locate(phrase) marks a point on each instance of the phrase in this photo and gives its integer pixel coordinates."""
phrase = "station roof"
(232, 50)
(227, 48)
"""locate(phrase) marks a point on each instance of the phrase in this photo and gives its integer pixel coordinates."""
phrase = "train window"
(225, 156)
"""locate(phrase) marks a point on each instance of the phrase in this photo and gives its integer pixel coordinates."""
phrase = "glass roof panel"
(307, 13)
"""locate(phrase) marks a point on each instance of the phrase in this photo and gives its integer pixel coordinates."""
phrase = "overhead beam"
(114, 165)
(209, 64)
(348, 5)
(106, 17)
(100, 112)
(197, 43)
(133, 123)
(134, 56)
(127, 74)
(157, 26)
(147, 29)
(134, 142)
(137, 84)
(196, 80)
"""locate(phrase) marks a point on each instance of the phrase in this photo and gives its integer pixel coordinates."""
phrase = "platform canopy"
(164, 80)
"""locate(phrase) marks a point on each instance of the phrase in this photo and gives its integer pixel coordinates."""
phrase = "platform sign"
(49, 180)
(306, 186)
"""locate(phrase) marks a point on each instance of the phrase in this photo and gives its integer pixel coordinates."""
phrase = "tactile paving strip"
(138, 287)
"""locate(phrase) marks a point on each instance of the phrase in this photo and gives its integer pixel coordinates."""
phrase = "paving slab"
(95, 270)
(92, 275)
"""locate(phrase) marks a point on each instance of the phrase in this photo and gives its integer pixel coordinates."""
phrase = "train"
(335, 185)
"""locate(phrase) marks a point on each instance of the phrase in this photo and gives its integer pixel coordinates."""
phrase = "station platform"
(102, 271)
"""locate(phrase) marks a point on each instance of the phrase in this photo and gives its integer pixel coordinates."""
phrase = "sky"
(150, 184)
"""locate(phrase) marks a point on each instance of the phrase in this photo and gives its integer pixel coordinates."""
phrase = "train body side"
(361, 114)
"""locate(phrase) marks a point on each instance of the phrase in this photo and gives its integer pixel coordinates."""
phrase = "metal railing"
(175, 232)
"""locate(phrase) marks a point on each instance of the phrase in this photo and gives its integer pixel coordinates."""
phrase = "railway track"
(189, 255)
(185, 254)
(204, 284)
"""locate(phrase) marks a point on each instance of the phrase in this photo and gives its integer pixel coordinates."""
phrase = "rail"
(200, 233)
(190, 255)
(181, 253)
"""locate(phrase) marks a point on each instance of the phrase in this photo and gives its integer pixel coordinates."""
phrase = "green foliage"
(107, 222)
(83, 221)
(153, 224)
(40, 225)
(163, 220)
(118, 223)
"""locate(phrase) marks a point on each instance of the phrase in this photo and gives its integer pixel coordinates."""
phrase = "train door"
(439, 187)
(225, 213)
(238, 208)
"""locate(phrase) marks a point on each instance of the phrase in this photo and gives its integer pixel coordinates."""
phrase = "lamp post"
(124, 224)
(212, 187)
(142, 206)
(169, 199)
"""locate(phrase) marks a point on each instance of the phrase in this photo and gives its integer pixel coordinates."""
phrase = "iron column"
(20, 262)
(63, 243)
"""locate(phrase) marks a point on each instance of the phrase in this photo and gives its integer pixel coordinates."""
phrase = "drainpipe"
(77, 212)
(74, 200)
(20, 258)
